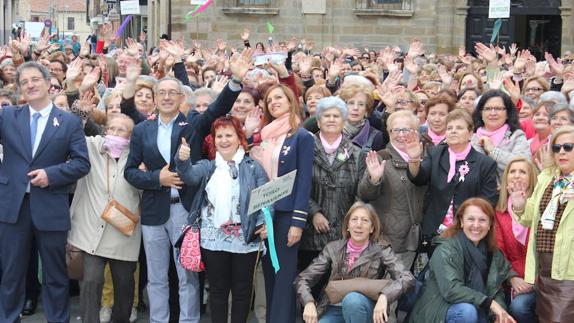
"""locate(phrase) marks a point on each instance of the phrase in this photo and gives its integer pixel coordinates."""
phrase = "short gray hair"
(202, 92)
(188, 94)
(557, 108)
(553, 96)
(28, 65)
(332, 102)
(165, 79)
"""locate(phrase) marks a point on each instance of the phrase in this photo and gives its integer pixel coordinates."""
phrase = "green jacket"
(563, 259)
(445, 283)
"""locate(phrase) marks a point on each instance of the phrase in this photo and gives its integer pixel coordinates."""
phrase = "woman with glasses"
(549, 213)
(534, 86)
(453, 171)
(359, 100)
(229, 242)
(498, 133)
(561, 115)
(398, 202)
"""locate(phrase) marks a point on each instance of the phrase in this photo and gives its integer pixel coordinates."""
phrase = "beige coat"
(89, 232)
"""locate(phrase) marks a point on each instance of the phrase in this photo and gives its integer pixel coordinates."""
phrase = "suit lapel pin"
(56, 123)
(183, 123)
(286, 150)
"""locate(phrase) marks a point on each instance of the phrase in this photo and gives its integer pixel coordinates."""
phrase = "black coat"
(479, 182)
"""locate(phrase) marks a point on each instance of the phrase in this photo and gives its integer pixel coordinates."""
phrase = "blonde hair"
(403, 114)
(349, 91)
(502, 204)
(564, 130)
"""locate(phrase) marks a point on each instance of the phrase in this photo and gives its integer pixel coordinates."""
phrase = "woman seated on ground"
(466, 271)
(512, 238)
(227, 231)
(359, 254)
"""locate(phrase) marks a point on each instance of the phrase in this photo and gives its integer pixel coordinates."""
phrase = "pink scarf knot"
(403, 155)
(330, 148)
(115, 145)
(495, 136)
(436, 138)
(353, 252)
(453, 157)
(518, 230)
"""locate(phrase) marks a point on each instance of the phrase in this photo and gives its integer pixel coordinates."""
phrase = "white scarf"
(222, 187)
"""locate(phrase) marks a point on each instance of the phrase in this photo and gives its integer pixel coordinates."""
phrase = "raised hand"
(245, 34)
(374, 167)
(281, 69)
(556, 67)
(87, 102)
(444, 75)
(85, 49)
(90, 79)
(334, 70)
(184, 150)
(168, 178)
(513, 49)
(488, 53)
(518, 195)
(414, 147)
(43, 43)
(512, 88)
(416, 48)
(252, 121)
(220, 44)
(496, 81)
(292, 44)
(132, 47)
(240, 64)
(133, 70)
(411, 66)
(219, 83)
(520, 61)
(74, 70)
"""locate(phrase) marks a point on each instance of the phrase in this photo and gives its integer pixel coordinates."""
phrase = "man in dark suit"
(44, 152)
(166, 200)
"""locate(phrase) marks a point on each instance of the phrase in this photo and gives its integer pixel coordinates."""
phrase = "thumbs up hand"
(184, 150)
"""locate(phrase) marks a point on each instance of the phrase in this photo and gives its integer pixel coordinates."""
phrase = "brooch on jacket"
(286, 150)
(183, 123)
(344, 155)
(463, 170)
(55, 122)
(151, 117)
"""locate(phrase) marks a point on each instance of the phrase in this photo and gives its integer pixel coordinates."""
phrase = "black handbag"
(407, 301)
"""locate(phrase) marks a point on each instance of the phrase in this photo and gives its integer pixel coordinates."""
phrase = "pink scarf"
(115, 145)
(520, 232)
(353, 252)
(404, 155)
(453, 157)
(272, 136)
(330, 149)
(436, 139)
(495, 136)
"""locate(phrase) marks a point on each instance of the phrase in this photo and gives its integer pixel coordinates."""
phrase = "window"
(403, 8)
(262, 7)
(71, 25)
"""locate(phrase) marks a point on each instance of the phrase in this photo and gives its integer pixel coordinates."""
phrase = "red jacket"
(512, 250)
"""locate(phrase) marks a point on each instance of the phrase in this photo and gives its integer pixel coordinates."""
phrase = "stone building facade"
(441, 25)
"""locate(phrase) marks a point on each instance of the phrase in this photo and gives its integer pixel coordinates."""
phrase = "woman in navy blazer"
(454, 172)
(285, 147)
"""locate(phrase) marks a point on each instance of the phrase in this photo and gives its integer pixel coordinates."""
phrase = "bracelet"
(516, 211)
(235, 80)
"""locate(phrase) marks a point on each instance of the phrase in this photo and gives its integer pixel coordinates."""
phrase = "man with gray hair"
(166, 200)
(44, 153)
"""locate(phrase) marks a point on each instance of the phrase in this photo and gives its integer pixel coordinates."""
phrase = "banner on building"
(130, 7)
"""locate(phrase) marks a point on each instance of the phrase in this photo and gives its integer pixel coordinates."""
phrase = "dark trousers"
(93, 283)
(32, 282)
(226, 272)
(15, 243)
(280, 294)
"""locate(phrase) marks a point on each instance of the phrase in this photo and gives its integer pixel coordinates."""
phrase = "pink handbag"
(189, 252)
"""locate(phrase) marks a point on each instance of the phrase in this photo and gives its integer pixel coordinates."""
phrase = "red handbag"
(189, 252)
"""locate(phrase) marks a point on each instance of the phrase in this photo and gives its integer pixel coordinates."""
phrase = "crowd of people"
(444, 178)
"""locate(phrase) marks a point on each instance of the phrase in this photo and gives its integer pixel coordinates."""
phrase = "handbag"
(407, 301)
(336, 290)
(116, 214)
(75, 262)
(189, 248)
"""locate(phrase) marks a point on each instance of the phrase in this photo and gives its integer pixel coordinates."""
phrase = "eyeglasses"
(493, 109)
(405, 131)
(567, 147)
(533, 89)
(233, 172)
(403, 102)
(55, 87)
(169, 93)
(5, 104)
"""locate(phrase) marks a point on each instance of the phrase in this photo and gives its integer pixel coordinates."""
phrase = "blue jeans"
(464, 313)
(355, 308)
(522, 308)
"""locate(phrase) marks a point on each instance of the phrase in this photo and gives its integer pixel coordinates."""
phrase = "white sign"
(275, 58)
(130, 7)
(198, 2)
(499, 9)
(271, 192)
(314, 7)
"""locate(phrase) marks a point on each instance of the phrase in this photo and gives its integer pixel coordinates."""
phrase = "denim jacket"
(197, 175)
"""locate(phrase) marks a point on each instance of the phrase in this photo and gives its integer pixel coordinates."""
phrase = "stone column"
(459, 25)
(567, 21)
(4, 24)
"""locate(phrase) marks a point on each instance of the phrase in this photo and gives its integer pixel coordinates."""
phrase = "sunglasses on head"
(233, 171)
(567, 147)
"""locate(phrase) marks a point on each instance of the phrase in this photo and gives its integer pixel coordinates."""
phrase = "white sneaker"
(134, 316)
(105, 314)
